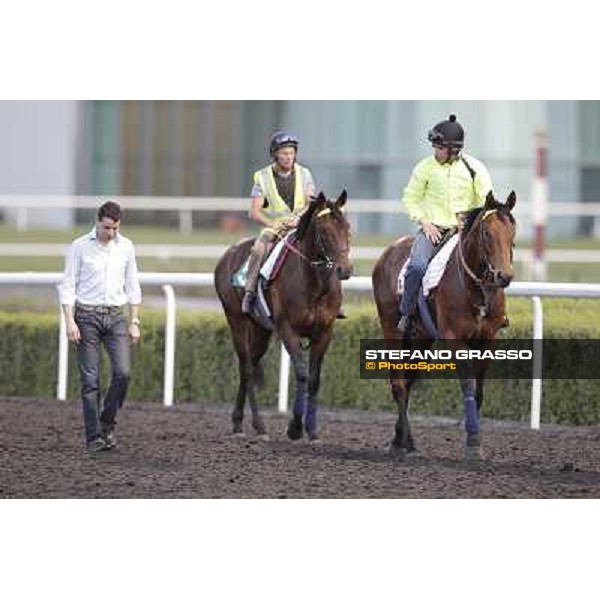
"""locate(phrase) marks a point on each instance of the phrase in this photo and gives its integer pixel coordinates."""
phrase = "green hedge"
(206, 367)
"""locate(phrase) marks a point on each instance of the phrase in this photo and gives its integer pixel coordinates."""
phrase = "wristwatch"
(135, 322)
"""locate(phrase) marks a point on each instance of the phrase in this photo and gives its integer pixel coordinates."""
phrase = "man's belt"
(100, 308)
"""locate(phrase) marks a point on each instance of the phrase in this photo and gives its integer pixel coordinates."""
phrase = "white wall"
(38, 153)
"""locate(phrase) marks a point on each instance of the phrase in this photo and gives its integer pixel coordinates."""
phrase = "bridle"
(324, 260)
(488, 272)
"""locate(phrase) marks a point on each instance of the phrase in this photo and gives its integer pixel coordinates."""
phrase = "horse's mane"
(317, 204)
(470, 219)
(306, 219)
(474, 214)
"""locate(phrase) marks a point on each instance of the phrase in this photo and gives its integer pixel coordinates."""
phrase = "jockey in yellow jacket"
(280, 193)
(441, 188)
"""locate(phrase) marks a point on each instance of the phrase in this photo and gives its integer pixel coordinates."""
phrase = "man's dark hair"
(110, 210)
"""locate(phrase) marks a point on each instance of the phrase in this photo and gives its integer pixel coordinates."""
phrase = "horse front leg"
(402, 443)
(472, 418)
(468, 384)
(294, 429)
(479, 368)
(291, 341)
(317, 353)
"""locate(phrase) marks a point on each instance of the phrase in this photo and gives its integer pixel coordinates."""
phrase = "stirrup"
(404, 324)
(248, 302)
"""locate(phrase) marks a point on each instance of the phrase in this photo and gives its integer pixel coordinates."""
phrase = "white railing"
(173, 251)
(533, 290)
(185, 206)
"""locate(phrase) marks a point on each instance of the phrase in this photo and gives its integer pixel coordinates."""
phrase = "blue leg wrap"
(471, 415)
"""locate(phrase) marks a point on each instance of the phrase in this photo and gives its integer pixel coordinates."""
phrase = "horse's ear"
(320, 198)
(341, 201)
(490, 201)
(511, 201)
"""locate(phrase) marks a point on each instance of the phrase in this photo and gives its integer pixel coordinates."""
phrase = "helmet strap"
(454, 154)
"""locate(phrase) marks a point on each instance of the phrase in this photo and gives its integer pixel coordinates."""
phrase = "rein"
(485, 288)
(315, 264)
(326, 260)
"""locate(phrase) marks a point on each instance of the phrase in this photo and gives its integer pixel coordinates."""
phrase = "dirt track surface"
(187, 451)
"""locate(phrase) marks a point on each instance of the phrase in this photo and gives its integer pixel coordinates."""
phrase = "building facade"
(211, 148)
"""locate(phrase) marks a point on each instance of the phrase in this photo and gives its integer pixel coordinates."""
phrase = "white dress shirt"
(100, 274)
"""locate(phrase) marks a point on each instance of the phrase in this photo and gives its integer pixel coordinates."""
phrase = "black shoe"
(405, 324)
(248, 302)
(96, 445)
(109, 438)
(341, 314)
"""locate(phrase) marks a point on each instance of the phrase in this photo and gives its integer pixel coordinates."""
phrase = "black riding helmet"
(282, 139)
(449, 134)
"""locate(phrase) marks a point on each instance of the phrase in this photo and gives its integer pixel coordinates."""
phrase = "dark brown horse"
(467, 305)
(304, 300)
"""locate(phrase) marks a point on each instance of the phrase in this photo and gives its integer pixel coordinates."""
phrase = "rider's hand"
(431, 231)
(291, 221)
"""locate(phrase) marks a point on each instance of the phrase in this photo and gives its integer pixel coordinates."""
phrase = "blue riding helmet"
(283, 139)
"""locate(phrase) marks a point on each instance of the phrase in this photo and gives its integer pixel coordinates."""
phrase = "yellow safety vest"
(276, 209)
(437, 192)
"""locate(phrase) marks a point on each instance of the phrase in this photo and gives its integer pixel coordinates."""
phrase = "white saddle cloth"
(267, 268)
(435, 269)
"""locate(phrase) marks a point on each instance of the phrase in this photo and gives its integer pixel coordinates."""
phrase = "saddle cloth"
(435, 269)
(270, 268)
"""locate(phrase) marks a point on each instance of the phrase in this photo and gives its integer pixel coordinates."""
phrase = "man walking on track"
(100, 277)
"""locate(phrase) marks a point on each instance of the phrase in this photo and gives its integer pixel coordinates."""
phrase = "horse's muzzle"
(502, 279)
(343, 273)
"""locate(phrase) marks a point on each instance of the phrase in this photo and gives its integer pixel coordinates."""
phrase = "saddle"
(437, 263)
(433, 275)
(271, 266)
(268, 273)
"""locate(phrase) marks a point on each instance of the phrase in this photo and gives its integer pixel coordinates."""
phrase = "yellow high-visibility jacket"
(436, 192)
(276, 209)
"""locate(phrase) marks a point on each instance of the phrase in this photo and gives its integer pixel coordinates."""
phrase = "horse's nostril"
(343, 273)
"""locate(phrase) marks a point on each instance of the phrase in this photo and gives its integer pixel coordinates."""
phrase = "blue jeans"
(111, 330)
(419, 258)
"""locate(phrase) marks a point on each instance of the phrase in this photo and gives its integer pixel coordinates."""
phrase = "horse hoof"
(259, 425)
(396, 452)
(472, 453)
(238, 434)
(293, 431)
(262, 437)
(412, 454)
(314, 439)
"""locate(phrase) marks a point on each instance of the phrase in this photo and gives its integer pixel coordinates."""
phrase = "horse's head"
(327, 233)
(495, 229)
